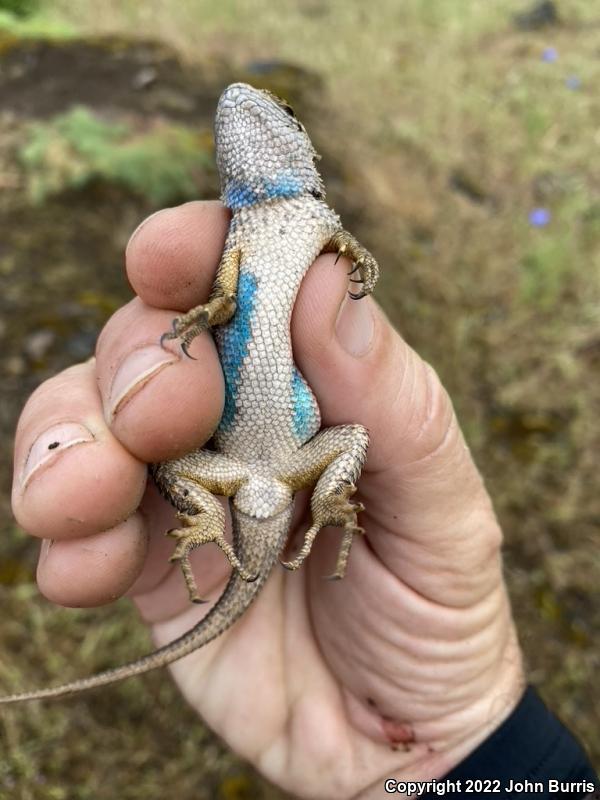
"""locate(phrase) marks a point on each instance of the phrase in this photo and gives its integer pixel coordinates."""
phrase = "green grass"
(39, 24)
(19, 8)
(76, 148)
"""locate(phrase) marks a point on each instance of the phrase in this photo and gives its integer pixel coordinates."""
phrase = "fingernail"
(49, 444)
(134, 373)
(143, 224)
(45, 550)
(355, 326)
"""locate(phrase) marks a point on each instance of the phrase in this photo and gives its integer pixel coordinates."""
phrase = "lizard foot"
(334, 508)
(345, 244)
(192, 535)
(187, 326)
(217, 311)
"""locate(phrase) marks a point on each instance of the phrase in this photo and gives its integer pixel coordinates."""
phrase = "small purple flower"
(539, 217)
(573, 82)
(550, 55)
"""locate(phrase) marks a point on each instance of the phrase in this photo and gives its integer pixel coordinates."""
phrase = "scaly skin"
(267, 445)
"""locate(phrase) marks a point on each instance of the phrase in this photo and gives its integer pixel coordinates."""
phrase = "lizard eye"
(290, 112)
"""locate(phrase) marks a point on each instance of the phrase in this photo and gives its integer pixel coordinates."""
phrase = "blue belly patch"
(234, 345)
(305, 417)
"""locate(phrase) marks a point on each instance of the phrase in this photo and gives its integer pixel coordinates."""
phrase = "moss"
(19, 8)
(74, 149)
(33, 27)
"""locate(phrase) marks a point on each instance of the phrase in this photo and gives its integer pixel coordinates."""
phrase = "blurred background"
(460, 144)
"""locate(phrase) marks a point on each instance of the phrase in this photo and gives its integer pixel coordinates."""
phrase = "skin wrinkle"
(426, 410)
(427, 665)
(472, 582)
(408, 604)
(439, 729)
(368, 664)
(403, 398)
(456, 721)
(463, 518)
(481, 562)
(432, 768)
(435, 603)
(398, 402)
(437, 407)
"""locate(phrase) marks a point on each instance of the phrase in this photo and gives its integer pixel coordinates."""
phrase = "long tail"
(258, 544)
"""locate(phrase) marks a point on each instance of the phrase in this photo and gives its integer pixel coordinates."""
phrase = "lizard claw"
(340, 253)
(164, 337)
(184, 347)
(198, 600)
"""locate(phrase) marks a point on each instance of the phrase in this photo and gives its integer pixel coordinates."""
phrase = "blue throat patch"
(234, 345)
(284, 185)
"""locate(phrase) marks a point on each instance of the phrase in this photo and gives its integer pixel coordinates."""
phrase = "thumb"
(428, 515)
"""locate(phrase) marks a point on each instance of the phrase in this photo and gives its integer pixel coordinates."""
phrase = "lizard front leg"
(334, 459)
(344, 244)
(190, 483)
(220, 306)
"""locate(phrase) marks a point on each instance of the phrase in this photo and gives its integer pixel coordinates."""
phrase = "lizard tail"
(258, 544)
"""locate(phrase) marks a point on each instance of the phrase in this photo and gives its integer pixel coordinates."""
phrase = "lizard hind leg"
(190, 484)
(206, 526)
(335, 456)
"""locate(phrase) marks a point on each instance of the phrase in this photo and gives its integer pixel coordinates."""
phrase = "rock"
(540, 15)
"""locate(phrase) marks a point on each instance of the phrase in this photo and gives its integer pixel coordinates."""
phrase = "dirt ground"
(527, 409)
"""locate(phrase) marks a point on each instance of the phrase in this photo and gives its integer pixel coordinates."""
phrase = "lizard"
(268, 443)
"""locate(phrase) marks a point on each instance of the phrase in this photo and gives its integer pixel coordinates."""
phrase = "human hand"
(400, 669)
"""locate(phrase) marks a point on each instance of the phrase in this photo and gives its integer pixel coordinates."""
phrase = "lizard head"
(263, 151)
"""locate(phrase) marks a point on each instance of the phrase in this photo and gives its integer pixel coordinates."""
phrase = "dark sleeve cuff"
(531, 745)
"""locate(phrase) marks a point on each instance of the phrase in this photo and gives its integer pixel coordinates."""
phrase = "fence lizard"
(268, 444)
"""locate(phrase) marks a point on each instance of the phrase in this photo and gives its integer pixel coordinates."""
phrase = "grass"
(453, 129)
(76, 148)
